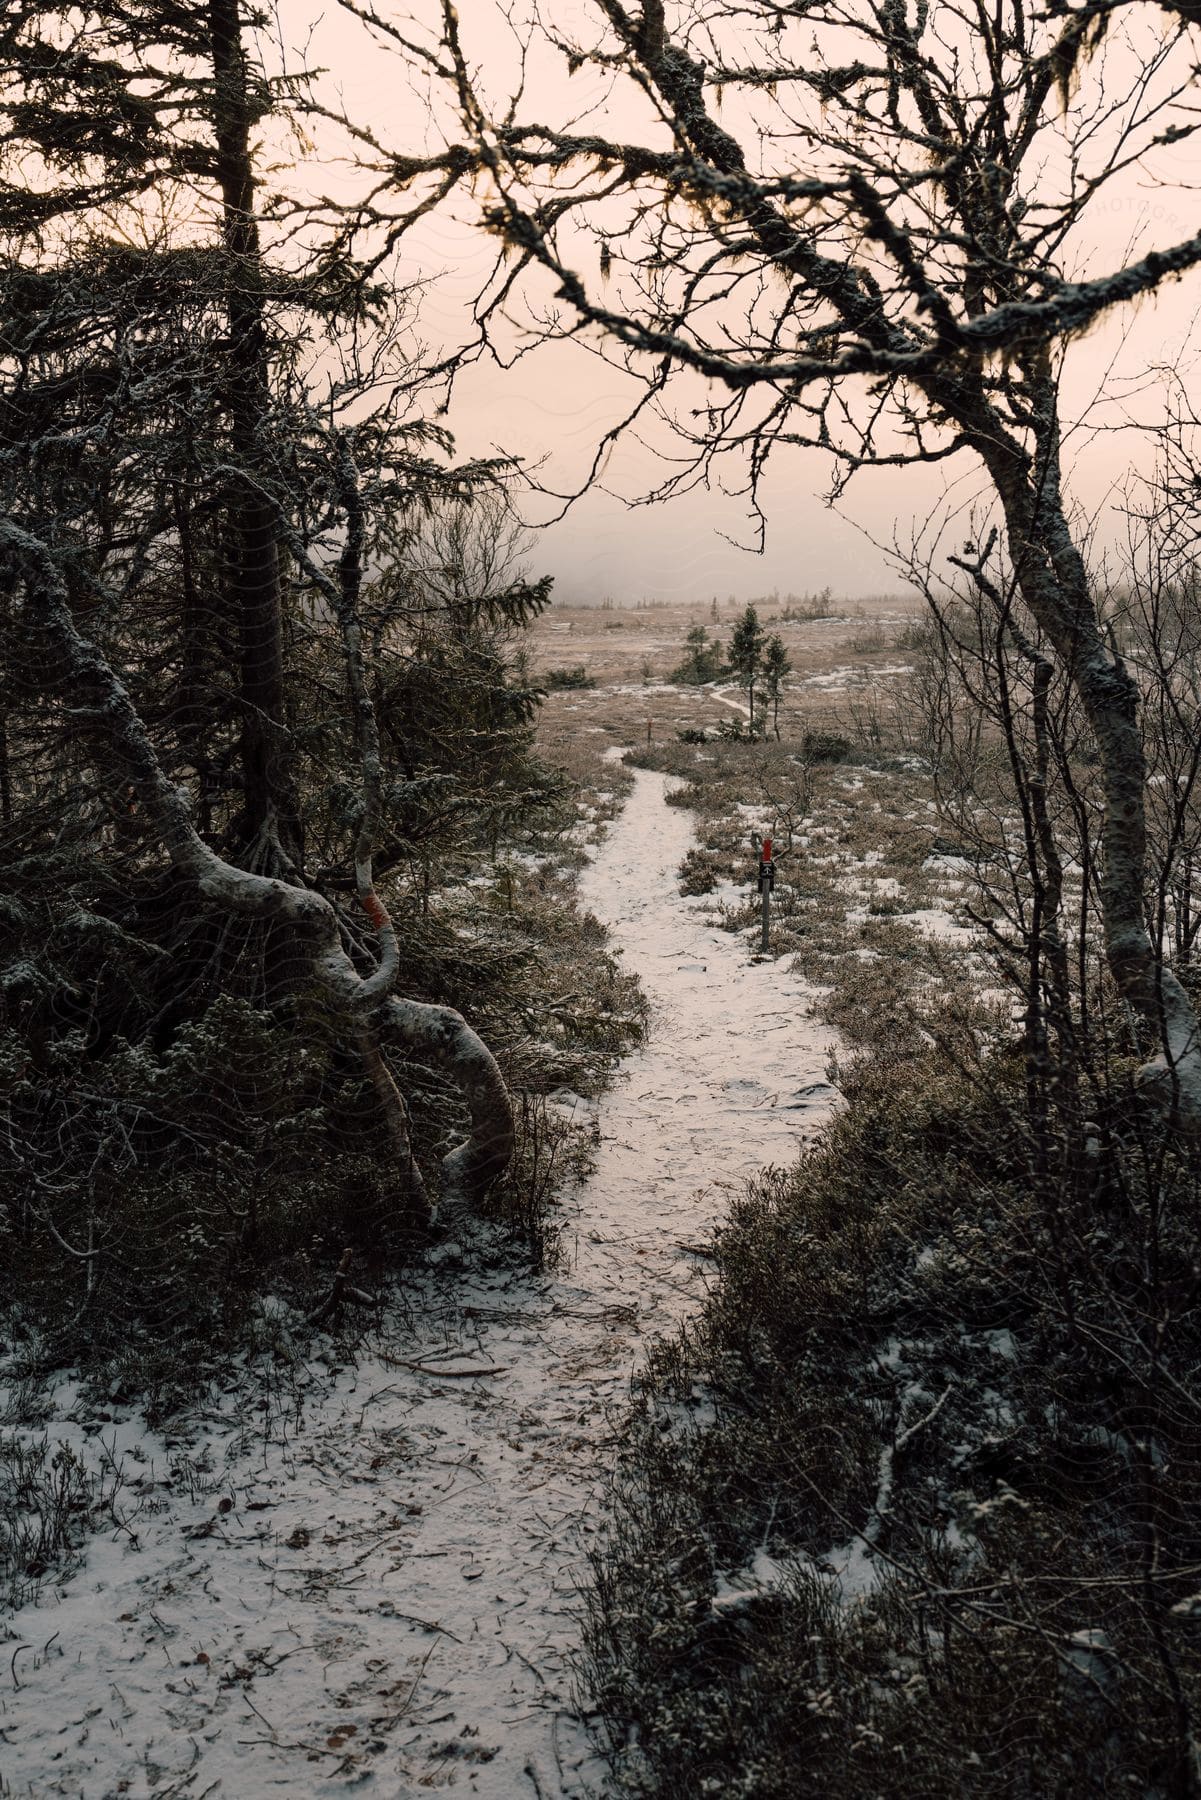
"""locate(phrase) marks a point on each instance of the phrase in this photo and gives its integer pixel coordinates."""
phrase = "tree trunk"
(1053, 583)
(272, 821)
(367, 1005)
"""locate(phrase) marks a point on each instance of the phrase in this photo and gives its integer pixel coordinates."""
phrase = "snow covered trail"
(723, 695)
(368, 1577)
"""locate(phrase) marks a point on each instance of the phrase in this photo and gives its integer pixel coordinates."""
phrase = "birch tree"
(856, 225)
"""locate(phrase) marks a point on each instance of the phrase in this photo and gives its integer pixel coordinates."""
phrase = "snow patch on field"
(939, 922)
(849, 675)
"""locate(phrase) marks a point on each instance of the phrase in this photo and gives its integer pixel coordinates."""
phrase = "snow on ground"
(848, 675)
(367, 1577)
(726, 699)
(940, 922)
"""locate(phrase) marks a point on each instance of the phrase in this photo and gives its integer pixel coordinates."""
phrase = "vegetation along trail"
(374, 1575)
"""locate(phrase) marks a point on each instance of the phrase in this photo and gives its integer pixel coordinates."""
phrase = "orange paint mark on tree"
(374, 907)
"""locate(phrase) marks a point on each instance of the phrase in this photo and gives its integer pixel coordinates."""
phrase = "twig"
(919, 1424)
(512, 1650)
(408, 1699)
(254, 1709)
(340, 1294)
(401, 1362)
(529, 1770)
(425, 1624)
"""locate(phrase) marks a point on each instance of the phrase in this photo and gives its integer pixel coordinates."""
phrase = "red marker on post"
(767, 875)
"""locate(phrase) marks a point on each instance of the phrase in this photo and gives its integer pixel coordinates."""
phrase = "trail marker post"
(767, 881)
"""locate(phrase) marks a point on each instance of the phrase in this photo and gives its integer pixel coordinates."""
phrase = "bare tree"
(865, 251)
(1156, 617)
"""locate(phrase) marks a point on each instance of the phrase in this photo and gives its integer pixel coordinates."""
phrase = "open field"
(847, 658)
(871, 881)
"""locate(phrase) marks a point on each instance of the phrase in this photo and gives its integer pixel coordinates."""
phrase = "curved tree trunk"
(373, 1014)
(946, 363)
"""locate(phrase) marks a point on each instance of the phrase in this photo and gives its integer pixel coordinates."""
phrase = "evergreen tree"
(745, 654)
(131, 115)
(776, 669)
(203, 779)
(702, 658)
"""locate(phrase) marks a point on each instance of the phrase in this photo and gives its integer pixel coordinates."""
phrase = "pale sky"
(555, 403)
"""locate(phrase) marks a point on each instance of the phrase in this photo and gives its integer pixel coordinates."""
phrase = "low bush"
(50, 1502)
(554, 1151)
(577, 677)
(702, 870)
(153, 1191)
(742, 731)
(826, 747)
(913, 1507)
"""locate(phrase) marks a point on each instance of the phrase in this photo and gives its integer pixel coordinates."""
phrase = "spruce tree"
(776, 669)
(702, 658)
(746, 653)
(198, 797)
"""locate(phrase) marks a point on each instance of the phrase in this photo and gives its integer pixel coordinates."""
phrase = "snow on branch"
(432, 1033)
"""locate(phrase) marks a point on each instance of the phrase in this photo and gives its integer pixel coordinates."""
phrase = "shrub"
(49, 1503)
(578, 677)
(741, 731)
(826, 747)
(554, 1149)
(247, 1149)
(702, 869)
(703, 659)
(912, 1507)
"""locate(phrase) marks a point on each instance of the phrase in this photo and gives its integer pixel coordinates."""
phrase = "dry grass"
(865, 900)
(844, 672)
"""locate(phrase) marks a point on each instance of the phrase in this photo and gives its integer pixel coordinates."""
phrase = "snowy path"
(376, 1584)
(739, 706)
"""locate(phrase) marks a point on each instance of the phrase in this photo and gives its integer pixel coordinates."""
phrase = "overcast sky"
(553, 405)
